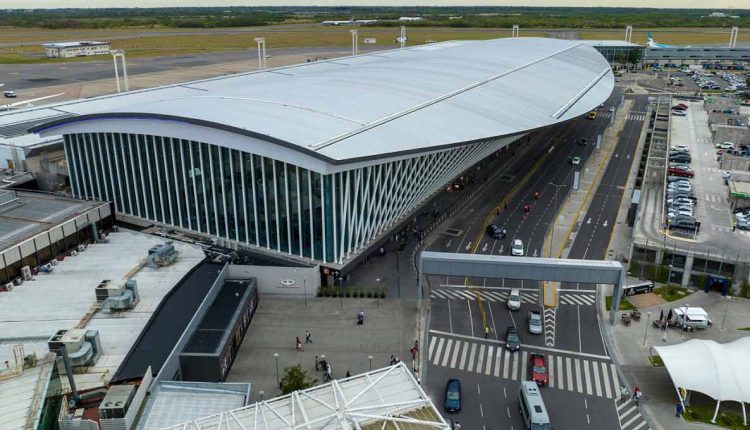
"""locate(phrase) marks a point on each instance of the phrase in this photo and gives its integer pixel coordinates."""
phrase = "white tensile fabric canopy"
(715, 369)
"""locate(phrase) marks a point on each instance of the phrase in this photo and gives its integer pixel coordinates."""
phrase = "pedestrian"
(456, 426)
(298, 344)
(486, 331)
(636, 390)
(678, 410)
(382, 251)
(413, 353)
(348, 374)
(393, 360)
(497, 212)
(361, 318)
(317, 363)
(308, 336)
(329, 374)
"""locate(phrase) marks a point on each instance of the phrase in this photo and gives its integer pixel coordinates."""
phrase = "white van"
(691, 318)
(531, 406)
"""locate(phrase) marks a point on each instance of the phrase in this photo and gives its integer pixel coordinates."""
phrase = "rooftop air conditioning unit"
(54, 262)
(81, 248)
(7, 287)
(26, 273)
(83, 346)
(17, 281)
(116, 402)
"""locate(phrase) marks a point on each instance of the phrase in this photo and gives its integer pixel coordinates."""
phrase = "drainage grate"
(453, 232)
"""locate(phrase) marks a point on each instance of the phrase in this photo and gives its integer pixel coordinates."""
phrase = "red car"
(686, 173)
(538, 369)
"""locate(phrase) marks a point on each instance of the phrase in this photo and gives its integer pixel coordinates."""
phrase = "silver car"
(535, 322)
(514, 299)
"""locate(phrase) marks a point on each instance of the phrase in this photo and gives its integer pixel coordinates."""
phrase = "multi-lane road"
(583, 380)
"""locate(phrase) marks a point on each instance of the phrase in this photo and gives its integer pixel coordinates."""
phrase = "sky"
(699, 4)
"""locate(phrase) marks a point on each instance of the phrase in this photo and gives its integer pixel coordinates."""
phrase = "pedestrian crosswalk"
(583, 298)
(637, 117)
(714, 198)
(582, 374)
(629, 415)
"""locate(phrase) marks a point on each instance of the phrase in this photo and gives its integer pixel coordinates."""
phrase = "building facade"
(76, 49)
(320, 160)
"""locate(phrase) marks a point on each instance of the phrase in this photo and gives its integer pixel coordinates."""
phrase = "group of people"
(637, 393)
(298, 343)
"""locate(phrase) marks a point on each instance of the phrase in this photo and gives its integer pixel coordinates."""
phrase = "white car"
(727, 174)
(682, 148)
(514, 299)
(517, 248)
(725, 145)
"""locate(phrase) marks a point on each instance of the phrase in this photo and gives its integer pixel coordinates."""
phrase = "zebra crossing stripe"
(463, 356)
(587, 376)
(490, 352)
(559, 372)
(551, 371)
(470, 366)
(515, 369)
(481, 357)
(522, 376)
(643, 423)
(447, 355)
(439, 349)
(568, 363)
(579, 383)
(439, 293)
(605, 373)
(615, 377)
(498, 356)
(433, 342)
(506, 364)
(455, 354)
(597, 381)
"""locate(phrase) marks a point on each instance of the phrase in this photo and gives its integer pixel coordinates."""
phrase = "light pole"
(276, 359)
(369, 357)
(261, 41)
(645, 331)
(355, 42)
(121, 54)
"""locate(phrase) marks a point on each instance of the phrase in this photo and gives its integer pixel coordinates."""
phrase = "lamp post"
(121, 54)
(261, 41)
(355, 42)
(645, 331)
(276, 359)
(369, 357)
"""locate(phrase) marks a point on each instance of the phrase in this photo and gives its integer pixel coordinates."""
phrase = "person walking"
(678, 409)
(329, 374)
(298, 344)
(308, 336)
(348, 374)
(317, 363)
(486, 331)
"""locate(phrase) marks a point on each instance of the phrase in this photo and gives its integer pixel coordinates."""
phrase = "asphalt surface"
(584, 380)
(19, 77)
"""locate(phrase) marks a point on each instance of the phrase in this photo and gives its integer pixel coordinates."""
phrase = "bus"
(532, 408)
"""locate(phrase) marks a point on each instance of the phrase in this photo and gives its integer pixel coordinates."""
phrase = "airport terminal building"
(318, 160)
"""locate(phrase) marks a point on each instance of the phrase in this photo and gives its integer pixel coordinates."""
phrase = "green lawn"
(625, 305)
(656, 361)
(704, 414)
(671, 293)
(744, 328)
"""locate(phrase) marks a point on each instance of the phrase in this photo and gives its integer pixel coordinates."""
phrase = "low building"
(712, 56)
(75, 49)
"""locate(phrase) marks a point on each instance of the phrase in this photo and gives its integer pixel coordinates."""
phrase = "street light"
(355, 42)
(261, 41)
(645, 331)
(276, 358)
(369, 357)
(121, 54)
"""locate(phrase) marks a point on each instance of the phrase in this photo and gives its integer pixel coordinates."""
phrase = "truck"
(691, 318)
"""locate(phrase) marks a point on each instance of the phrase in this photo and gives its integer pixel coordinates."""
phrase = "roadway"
(19, 77)
(584, 380)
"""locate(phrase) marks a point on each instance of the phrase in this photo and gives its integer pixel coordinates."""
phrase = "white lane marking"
(464, 352)
(551, 371)
(470, 366)
(446, 354)
(498, 357)
(514, 376)
(522, 376)
(450, 317)
(605, 379)
(615, 379)
(559, 372)
(597, 380)
(481, 358)
(577, 371)
(506, 364)
(436, 359)
(433, 342)
(569, 373)
(471, 319)
(456, 352)
(587, 375)
(488, 367)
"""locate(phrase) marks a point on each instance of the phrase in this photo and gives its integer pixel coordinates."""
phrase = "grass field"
(23, 45)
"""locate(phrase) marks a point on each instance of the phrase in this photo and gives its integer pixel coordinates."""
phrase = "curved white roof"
(379, 104)
(714, 369)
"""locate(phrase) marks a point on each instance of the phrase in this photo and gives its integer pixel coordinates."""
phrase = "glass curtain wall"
(257, 200)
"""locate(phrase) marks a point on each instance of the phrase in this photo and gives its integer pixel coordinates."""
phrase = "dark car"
(582, 141)
(495, 231)
(538, 369)
(684, 223)
(680, 158)
(679, 107)
(453, 395)
(512, 339)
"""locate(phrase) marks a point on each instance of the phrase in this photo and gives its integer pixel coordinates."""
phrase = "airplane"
(349, 22)
(652, 44)
(26, 103)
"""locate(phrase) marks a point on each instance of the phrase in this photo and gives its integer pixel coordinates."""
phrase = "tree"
(295, 378)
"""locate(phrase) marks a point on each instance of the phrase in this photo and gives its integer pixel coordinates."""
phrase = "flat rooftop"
(168, 322)
(215, 323)
(32, 213)
(32, 312)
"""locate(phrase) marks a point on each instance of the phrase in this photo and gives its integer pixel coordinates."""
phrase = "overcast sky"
(700, 4)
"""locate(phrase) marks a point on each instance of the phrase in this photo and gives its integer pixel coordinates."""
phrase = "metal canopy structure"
(532, 268)
(385, 398)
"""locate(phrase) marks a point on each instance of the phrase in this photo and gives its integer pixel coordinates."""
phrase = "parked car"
(495, 231)
(678, 107)
(535, 322)
(679, 113)
(680, 187)
(453, 395)
(512, 339)
(582, 141)
(517, 248)
(681, 147)
(680, 158)
(538, 369)
(681, 200)
(10, 94)
(727, 174)
(575, 161)
(725, 145)
(514, 299)
(686, 173)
